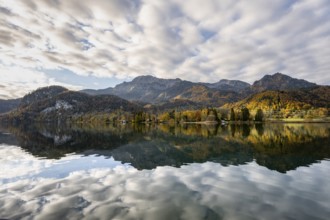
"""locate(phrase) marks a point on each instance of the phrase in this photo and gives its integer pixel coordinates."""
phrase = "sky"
(100, 43)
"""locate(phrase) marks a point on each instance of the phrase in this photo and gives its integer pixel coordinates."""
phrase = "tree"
(245, 114)
(164, 117)
(198, 115)
(212, 115)
(259, 115)
(139, 117)
(172, 114)
(223, 114)
(232, 114)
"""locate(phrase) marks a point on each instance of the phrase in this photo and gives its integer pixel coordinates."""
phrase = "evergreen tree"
(245, 114)
(259, 115)
(232, 114)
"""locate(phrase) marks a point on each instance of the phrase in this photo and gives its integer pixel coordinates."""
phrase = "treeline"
(211, 115)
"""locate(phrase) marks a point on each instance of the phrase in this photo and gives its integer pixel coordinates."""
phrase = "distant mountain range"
(155, 90)
(148, 92)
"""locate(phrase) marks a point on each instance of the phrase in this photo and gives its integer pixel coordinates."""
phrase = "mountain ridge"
(279, 81)
(55, 103)
(311, 102)
(155, 90)
(176, 93)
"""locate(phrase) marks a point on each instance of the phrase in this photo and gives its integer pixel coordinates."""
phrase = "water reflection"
(279, 147)
(197, 191)
(277, 171)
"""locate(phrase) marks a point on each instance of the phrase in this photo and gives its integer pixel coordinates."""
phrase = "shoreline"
(260, 122)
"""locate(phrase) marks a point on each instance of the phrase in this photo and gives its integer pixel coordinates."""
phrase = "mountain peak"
(152, 79)
(144, 77)
(142, 88)
(42, 93)
(280, 74)
(279, 81)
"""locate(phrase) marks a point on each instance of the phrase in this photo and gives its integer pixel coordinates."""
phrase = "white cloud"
(199, 42)
(18, 81)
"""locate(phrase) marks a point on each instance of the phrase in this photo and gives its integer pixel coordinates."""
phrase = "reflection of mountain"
(53, 142)
(7, 138)
(285, 147)
(276, 146)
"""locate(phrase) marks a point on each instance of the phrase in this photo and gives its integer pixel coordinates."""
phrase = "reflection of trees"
(280, 147)
(259, 128)
(233, 129)
(245, 130)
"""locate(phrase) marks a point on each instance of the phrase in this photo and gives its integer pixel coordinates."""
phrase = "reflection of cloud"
(196, 191)
(26, 165)
(13, 158)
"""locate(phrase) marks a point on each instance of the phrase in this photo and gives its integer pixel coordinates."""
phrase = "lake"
(261, 171)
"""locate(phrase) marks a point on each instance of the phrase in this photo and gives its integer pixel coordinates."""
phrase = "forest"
(206, 115)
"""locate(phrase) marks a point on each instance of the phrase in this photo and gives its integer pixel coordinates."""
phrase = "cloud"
(195, 191)
(198, 42)
(18, 81)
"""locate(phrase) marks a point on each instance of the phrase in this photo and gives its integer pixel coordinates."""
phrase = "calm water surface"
(272, 171)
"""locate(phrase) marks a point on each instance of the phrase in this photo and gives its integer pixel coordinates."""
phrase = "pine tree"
(232, 115)
(245, 114)
(259, 115)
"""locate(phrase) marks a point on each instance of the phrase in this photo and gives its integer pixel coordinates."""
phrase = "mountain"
(156, 91)
(142, 88)
(207, 96)
(56, 103)
(8, 105)
(177, 104)
(279, 81)
(157, 94)
(41, 94)
(145, 88)
(229, 85)
(287, 101)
